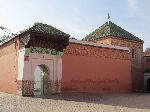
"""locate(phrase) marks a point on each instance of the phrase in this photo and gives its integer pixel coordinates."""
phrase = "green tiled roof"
(48, 29)
(110, 29)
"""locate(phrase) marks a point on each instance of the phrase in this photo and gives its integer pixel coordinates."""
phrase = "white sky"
(77, 17)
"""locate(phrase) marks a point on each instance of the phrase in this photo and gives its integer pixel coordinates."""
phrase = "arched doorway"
(148, 84)
(41, 80)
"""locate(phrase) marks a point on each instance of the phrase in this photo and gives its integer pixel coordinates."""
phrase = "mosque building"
(43, 60)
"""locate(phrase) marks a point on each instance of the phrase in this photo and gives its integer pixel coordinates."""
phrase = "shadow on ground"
(132, 100)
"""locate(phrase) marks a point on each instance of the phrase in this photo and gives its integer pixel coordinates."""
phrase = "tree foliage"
(4, 38)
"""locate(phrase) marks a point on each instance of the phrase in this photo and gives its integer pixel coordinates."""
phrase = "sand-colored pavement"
(135, 102)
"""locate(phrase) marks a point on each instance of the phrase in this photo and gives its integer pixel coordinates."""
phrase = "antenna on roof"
(108, 17)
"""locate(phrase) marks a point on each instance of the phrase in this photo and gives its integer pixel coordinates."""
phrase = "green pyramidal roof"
(110, 29)
(44, 28)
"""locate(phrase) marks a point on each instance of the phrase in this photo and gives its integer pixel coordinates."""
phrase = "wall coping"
(98, 45)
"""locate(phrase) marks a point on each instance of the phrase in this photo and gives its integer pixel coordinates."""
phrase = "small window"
(132, 53)
(147, 59)
(147, 70)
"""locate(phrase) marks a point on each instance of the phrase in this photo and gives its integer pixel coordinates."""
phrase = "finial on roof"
(108, 17)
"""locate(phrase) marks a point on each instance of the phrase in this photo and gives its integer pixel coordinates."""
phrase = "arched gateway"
(40, 60)
(42, 80)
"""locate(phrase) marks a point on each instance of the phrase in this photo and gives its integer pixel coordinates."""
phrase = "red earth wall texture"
(85, 72)
(9, 68)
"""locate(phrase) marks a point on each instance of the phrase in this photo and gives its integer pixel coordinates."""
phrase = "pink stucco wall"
(53, 63)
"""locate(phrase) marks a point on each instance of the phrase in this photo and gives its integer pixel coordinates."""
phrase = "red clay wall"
(146, 62)
(137, 59)
(8, 66)
(92, 69)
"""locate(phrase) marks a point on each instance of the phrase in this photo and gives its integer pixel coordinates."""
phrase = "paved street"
(139, 102)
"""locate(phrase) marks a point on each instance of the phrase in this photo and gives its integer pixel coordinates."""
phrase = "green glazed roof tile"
(110, 29)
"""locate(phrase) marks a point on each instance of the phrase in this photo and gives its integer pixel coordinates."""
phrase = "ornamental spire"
(108, 17)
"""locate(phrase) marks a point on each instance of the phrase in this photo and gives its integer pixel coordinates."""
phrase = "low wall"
(92, 69)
